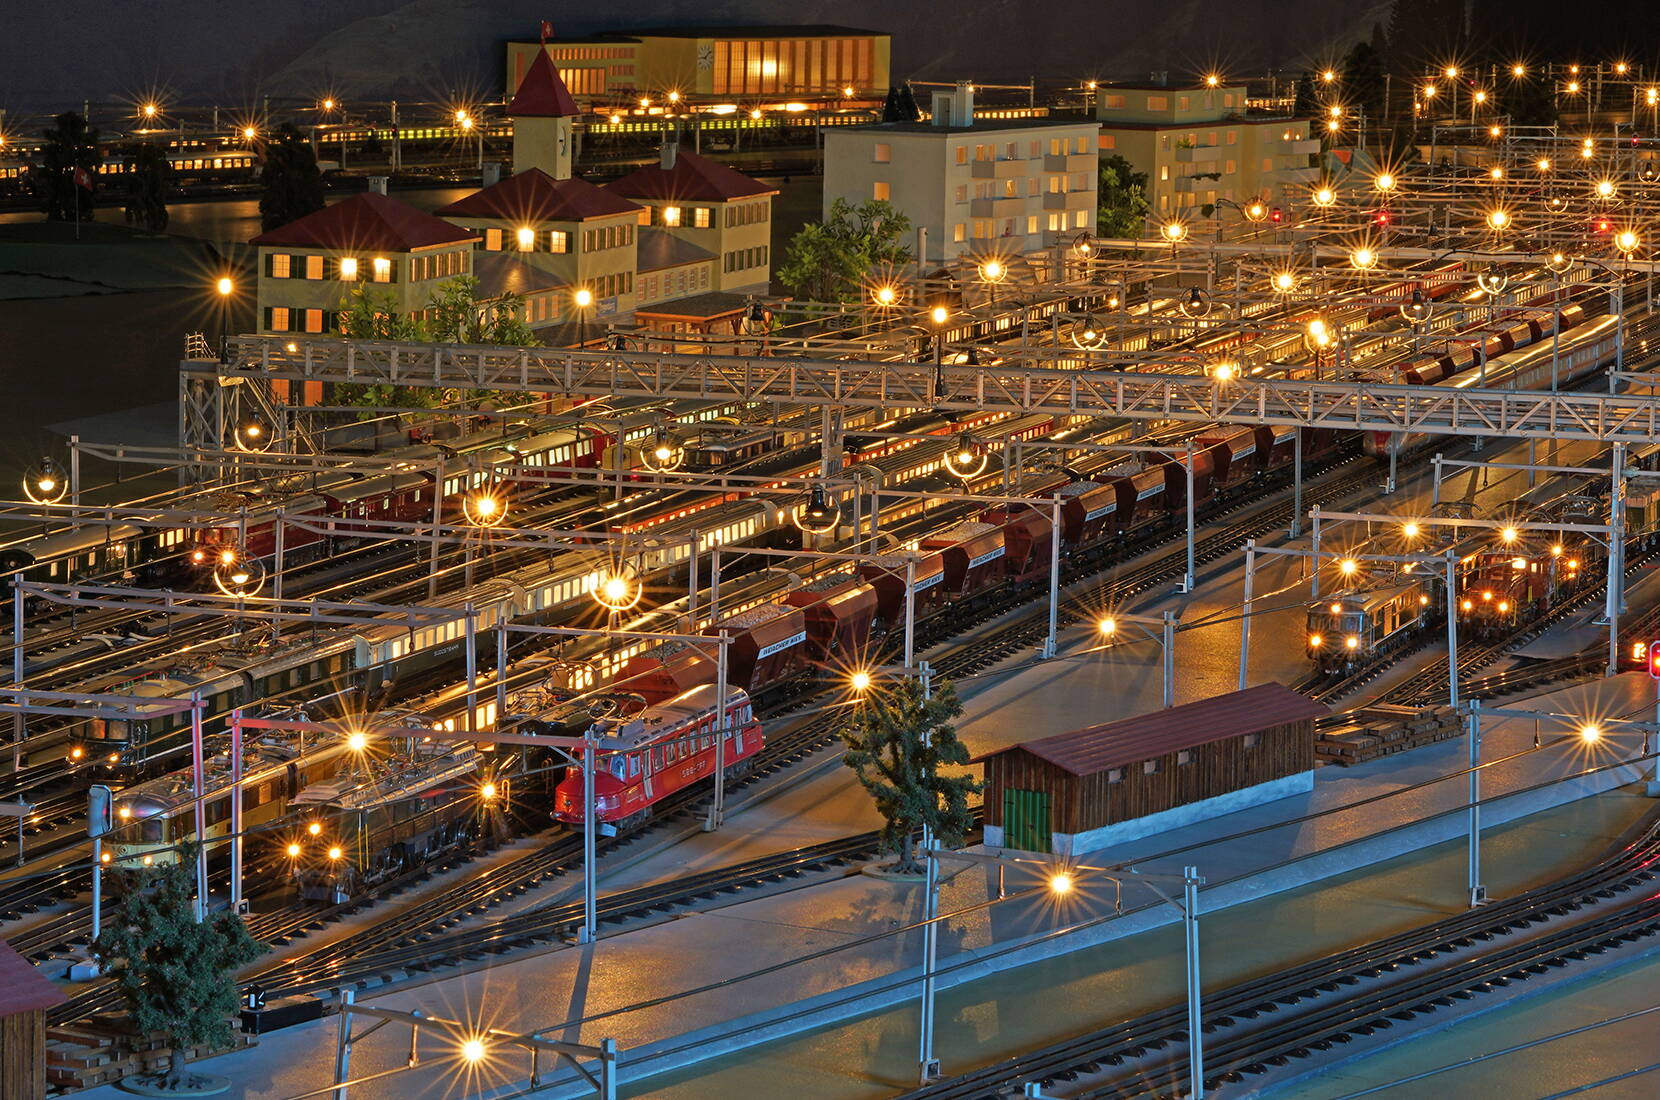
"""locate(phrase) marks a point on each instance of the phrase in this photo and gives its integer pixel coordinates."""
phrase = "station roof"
(708, 306)
(658, 249)
(981, 125)
(1095, 749)
(22, 987)
(502, 273)
(534, 196)
(769, 30)
(692, 179)
(369, 222)
(541, 93)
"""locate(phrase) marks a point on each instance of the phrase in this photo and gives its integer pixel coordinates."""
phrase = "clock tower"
(542, 111)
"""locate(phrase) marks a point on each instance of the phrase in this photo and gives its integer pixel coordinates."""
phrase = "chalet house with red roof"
(25, 996)
(1104, 785)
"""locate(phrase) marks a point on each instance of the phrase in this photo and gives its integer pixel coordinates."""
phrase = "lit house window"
(348, 267)
(559, 241)
(279, 265)
(700, 217)
(884, 153)
(314, 267)
(526, 237)
(383, 269)
(492, 240)
(671, 215)
(880, 190)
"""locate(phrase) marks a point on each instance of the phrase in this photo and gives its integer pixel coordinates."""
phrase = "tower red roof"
(541, 93)
(535, 196)
(692, 179)
(369, 222)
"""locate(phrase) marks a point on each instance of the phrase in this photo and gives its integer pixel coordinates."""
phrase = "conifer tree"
(175, 975)
(897, 742)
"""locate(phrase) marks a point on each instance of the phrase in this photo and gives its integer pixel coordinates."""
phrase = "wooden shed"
(25, 995)
(1081, 791)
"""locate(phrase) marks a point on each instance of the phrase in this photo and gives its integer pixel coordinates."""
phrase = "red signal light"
(1276, 216)
(1602, 225)
(1654, 659)
(1382, 217)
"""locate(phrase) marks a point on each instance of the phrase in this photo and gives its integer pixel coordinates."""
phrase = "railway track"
(1264, 1024)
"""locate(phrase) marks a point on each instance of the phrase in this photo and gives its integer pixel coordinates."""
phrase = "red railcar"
(973, 556)
(1089, 513)
(1027, 536)
(1141, 493)
(1235, 455)
(662, 749)
(769, 646)
(1276, 444)
(887, 574)
(839, 611)
(667, 670)
(1175, 477)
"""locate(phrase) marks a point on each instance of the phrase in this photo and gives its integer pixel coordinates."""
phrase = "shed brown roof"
(692, 179)
(370, 221)
(22, 987)
(1095, 749)
(534, 196)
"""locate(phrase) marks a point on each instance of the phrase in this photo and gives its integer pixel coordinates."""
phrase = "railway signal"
(1654, 659)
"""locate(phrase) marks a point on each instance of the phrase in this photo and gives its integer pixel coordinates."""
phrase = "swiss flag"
(547, 31)
(83, 178)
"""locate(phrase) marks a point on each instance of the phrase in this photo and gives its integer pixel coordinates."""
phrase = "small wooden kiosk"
(25, 995)
(1081, 791)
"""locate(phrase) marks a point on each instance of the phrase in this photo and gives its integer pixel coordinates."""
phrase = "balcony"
(996, 208)
(1198, 154)
(1301, 148)
(1070, 162)
(1000, 169)
(1298, 175)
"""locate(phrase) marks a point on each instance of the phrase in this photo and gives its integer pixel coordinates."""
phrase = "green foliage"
(70, 144)
(1123, 197)
(457, 317)
(829, 261)
(292, 181)
(1363, 86)
(897, 742)
(148, 181)
(1307, 103)
(174, 974)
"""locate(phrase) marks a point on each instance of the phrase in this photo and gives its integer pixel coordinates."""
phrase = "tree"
(69, 161)
(897, 742)
(458, 317)
(1307, 103)
(1123, 197)
(150, 174)
(829, 261)
(293, 184)
(176, 975)
(1363, 82)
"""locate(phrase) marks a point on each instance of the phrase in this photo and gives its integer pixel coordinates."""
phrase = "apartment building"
(1199, 145)
(977, 186)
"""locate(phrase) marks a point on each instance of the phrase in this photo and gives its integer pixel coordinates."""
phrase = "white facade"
(996, 186)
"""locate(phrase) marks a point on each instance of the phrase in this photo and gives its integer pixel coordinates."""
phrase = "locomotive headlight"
(105, 857)
(76, 753)
(1315, 641)
(1468, 605)
(293, 851)
(1556, 551)
(1423, 601)
(1337, 609)
(1573, 563)
(148, 860)
(1352, 642)
(1486, 595)
(124, 813)
(198, 556)
(357, 742)
(315, 828)
(335, 852)
(1348, 566)
(487, 791)
(1504, 605)
(115, 756)
(227, 557)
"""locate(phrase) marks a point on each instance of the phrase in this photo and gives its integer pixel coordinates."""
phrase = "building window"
(883, 152)
(314, 320)
(1158, 103)
(348, 267)
(961, 192)
(1164, 172)
(959, 232)
(279, 265)
(525, 238)
(1115, 775)
(1149, 767)
(1231, 167)
(314, 267)
(1031, 224)
(1233, 137)
(278, 319)
(1184, 103)
(1080, 218)
(1109, 141)
(382, 267)
(1113, 102)
(559, 241)
(879, 190)
(492, 240)
(1185, 756)
(671, 215)
(1012, 152)
(1250, 740)
(962, 154)
(700, 217)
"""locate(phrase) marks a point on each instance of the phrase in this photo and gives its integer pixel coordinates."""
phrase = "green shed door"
(1026, 820)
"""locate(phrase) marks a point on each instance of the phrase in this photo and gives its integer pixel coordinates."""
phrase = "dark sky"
(232, 51)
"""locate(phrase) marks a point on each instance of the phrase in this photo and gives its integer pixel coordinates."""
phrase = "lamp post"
(583, 298)
(224, 287)
(939, 315)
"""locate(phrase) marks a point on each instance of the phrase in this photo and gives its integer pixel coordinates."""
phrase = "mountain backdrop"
(232, 52)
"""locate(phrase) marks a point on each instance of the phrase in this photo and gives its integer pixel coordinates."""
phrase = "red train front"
(651, 754)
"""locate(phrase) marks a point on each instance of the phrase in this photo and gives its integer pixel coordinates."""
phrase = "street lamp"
(818, 515)
(485, 506)
(251, 435)
(583, 299)
(619, 589)
(240, 577)
(1384, 181)
(1196, 304)
(1323, 196)
(1415, 310)
(224, 288)
(1492, 281)
(1627, 241)
(1283, 282)
(1363, 258)
(1174, 231)
(666, 453)
(885, 296)
(1498, 219)
(967, 460)
(45, 482)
